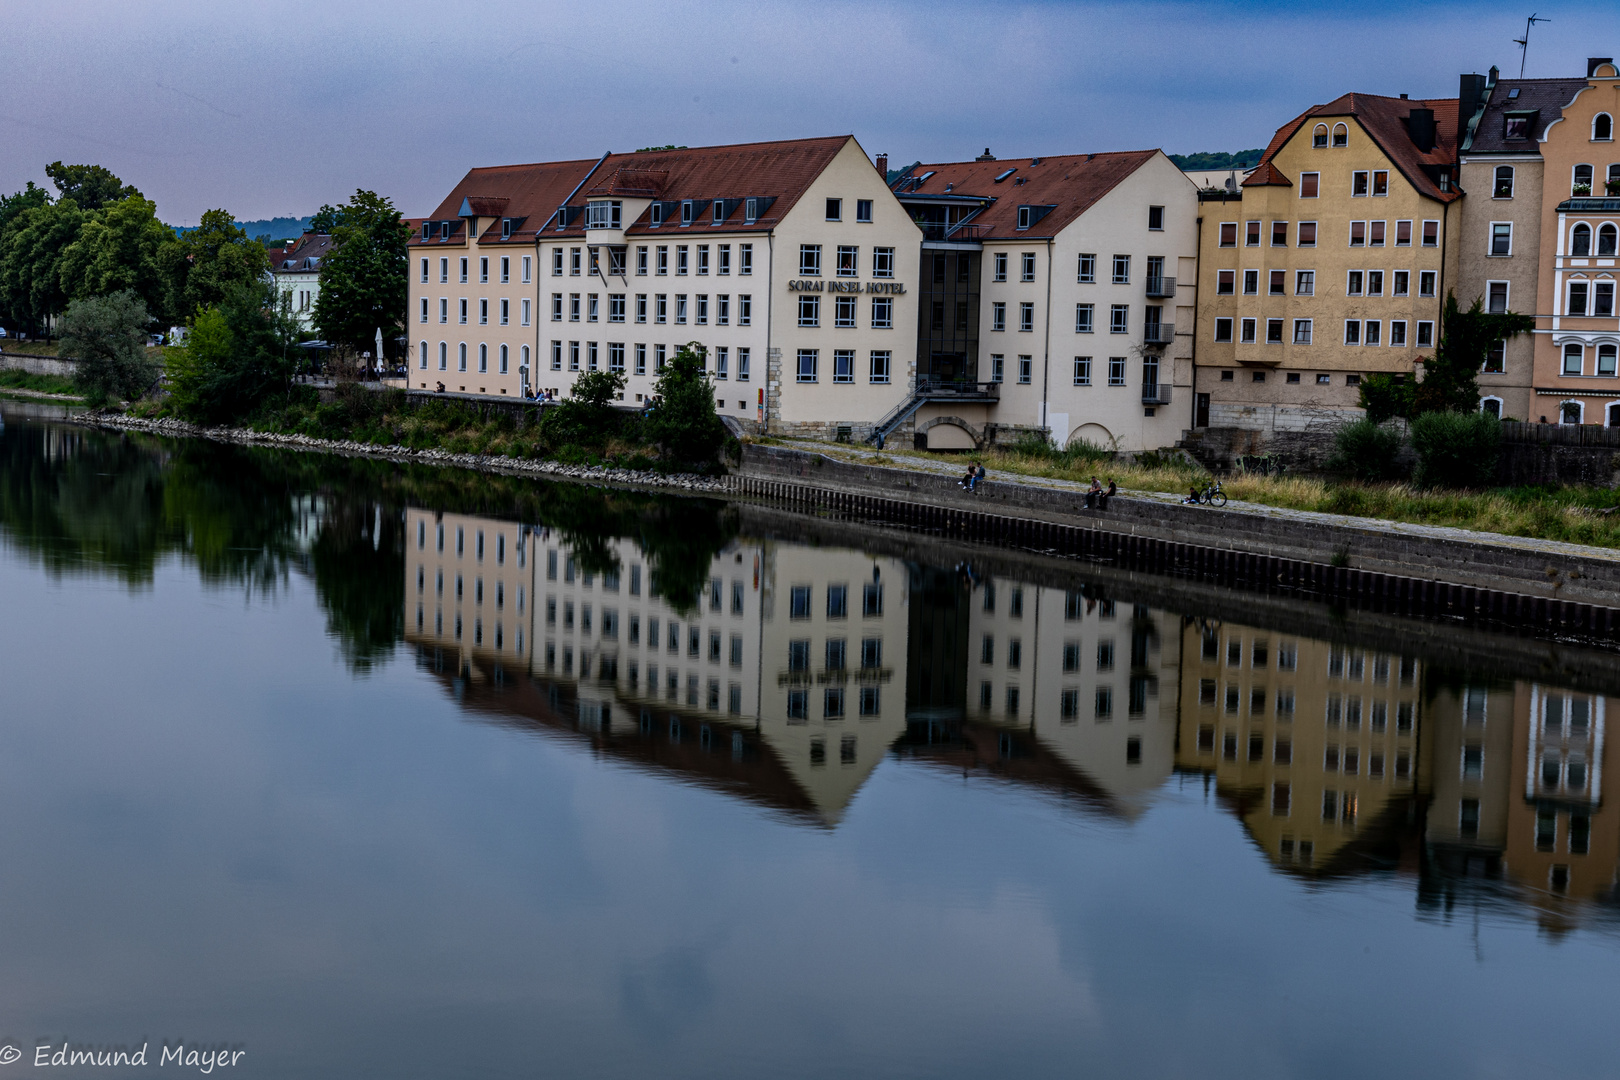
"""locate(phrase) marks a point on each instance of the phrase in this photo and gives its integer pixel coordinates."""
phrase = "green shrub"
(1456, 449)
(1367, 451)
(683, 422)
(1386, 397)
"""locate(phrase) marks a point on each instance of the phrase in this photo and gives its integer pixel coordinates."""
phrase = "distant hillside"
(280, 228)
(1208, 162)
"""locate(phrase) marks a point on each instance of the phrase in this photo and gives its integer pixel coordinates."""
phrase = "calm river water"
(372, 771)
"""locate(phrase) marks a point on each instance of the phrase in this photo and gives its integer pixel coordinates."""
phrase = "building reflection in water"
(799, 667)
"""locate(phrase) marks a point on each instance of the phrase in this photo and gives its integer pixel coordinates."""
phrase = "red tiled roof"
(530, 192)
(631, 182)
(1266, 174)
(484, 205)
(288, 260)
(1071, 184)
(1384, 119)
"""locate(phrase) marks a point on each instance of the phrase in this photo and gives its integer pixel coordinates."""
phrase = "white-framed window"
(1223, 330)
(863, 211)
(1026, 368)
(1084, 316)
(1026, 317)
(1375, 233)
(849, 260)
(1116, 371)
(461, 357)
(1607, 236)
(1501, 238)
(1251, 234)
(444, 355)
(1431, 233)
(809, 360)
(1155, 219)
(810, 260)
(1372, 332)
(661, 261)
(462, 310)
(593, 310)
(1341, 135)
(682, 259)
(745, 309)
(1603, 299)
(424, 309)
(743, 356)
(1491, 406)
(1119, 319)
(1251, 283)
(1122, 270)
(1274, 331)
(1576, 302)
(844, 313)
(641, 359)
(680, 309)
(1279, 234)
(844, 365)
(483, 357)
(506, 269)
(661, 308)
(1401, 283)
(556, 262)
(1026, 266)
(444, 309)
(1502, 183)
(1403, 233)
(590, 355)
(1087, 273)
(1397, 333)
(1496, 297)
(998, 315)
(883, 262)
(880, 362)
(1358, 234)
(464, 270)
(424, 271)
(1574, 359)
(722, 260)
(641, 307)
(1305, 283)
(444, 271)
(1225, 282)
(1278, 283)
(1426, 279)
(1310, 185)
(835, 209)
(1580, 239)
(1302, 331)
(556, 356)
(483, 312)
(1352, 331)
(506, 311)
(1319, 137)
(998, 367)
(1606, 360)
(1425, 334)
(722, 309)
(998, 264)
(1572, 412)
(745, 259)
(702, 309)
(422, 355)
(1305, 235)
(1602, 128)
(882, 313)
(1228, 234)
(703, 260)
(1082, 371)
(1248, 331)
(809, 311)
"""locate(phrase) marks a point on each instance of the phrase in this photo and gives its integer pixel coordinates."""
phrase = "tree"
(238, 354)
(327, 219)
(1450, 377)
(108, 336)
(683, 421)
(200, 267)
(363, 284)
(26, 199)
(1386, 396)
(588, 417)
(90, 186)
(117, 250)
(31, 251)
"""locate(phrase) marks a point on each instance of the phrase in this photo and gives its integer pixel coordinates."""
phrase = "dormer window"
(1341, 135)
(719, 211)
(750, 211)
(655, 214)
(506, 228)
(427, 231)
(686, 211)
(1517, 125)
(1319, 136)
(604, 214)
(1023, 217)
(444, 230)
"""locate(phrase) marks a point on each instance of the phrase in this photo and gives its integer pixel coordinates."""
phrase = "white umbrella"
(379, 353)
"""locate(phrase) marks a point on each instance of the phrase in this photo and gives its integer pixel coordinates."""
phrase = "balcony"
(1158, 333)
(1156, 393)
(962, 233)
(1161, 288)
(937, 386)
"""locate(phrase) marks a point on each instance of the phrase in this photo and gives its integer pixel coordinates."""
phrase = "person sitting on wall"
(440, 389)
(1192, 495)
(968, 479)
(1104, 496)
(1093, 492)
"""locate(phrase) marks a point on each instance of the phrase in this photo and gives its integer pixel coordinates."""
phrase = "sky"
(274, 109)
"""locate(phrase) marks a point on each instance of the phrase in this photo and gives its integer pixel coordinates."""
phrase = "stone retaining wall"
(66, 367)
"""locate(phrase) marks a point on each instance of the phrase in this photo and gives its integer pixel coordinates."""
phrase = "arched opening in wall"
(1341, 135)
(1602, 127)
(1319, 137)
(1094, 435)
(1608, 239)
(1614, 414)
(1569, 412)
(1580, 240)
(1491, 406)
(948, 433)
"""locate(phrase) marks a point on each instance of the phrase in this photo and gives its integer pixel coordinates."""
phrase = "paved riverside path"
(1526, 544)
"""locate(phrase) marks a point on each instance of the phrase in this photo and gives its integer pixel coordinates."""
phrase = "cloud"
(277, 110)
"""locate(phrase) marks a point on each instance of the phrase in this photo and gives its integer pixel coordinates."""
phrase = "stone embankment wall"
(1559, 454)
(1563, 572)
(66, 367)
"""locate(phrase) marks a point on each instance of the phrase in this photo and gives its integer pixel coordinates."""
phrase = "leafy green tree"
(31, 249)
(1456, 449)
(26, 199)
(200, 267)
(363, 284)
(1386, 396)
(238, 354)
(1367, 450)
(90, 186)
(117, 250)
(683, 421)
(587, 418)
(327, 219)
(108, 336)
(1450, 377)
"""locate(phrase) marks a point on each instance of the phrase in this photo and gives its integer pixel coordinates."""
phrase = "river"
(369, 770)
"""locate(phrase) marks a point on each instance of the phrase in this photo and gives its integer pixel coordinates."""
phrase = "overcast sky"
(274, 109)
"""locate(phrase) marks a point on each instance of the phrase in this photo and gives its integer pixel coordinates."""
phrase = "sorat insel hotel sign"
(893, 288)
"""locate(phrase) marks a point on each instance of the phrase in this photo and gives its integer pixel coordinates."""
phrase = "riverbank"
(689, 483)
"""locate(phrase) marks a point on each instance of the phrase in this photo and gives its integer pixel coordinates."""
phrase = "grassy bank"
(1572, 514)
(47, 384)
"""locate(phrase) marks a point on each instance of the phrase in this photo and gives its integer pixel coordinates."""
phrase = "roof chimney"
(1594, 62)
(883, 167)
(1403, 97)
(986, 156)
(1420, 126)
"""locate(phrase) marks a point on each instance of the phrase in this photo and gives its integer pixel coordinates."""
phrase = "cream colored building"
(295, 268)
(1056, 293)
(469, 588)
(790, 263)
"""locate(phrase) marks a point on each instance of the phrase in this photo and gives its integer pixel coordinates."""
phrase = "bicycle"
(1212, 495)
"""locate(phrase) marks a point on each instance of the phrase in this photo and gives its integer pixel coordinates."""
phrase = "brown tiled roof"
(1545, 97)
(531, 193)
(777, 170)
(1070, 184)
(1384, 119)
(1266, 174)
(289, 260)
(630, 182)
(484, 205)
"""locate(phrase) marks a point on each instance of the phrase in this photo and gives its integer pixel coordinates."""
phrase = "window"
(1083, 316)
(1026, 318)
(1577, 298)
(1496, 297)
(1274, 332)
(1247, 330)
(1278, 283)
(844, 366)
(424, 309)
(592, 308)
(998, 364)
(703, 259)
(1225, 282)
(1223, 330)
(1581, 184)
(1608, 236)
(1122, 270)
(1082, 370)
(1397, 333)
(882, 313)
(1580, 240)
(1310, 185)
(849, 257)
(1155, 219)
(1026, 365)
(556, 356)
(998, 315)
(1305, 283)
(1358, 184)
(1603, 299)
(1358, 234)
(1375, 233)
(745, 258)
(745, 309)
(1426, 280)
(1319, 137)
(616, 357)
(1425, 335)
(461, 357)
(1302, 331)
(882, 262)
(835, 209)
(506, 312)
(1119, 317)
(1026, 267)
(1431, 234)
(641, 359)
(810, 259)
(1380, 182)
(1116, 371)
(1501, 238)
(1087, 273)
(844, 310)
(1502, 188)
(1251, 234)
(1352, 332)
(1606, 357)
(1341, 135)
(1574, 359)
(681, 260)
(1371, 333)
(1375, 283)
(809, 311)
(1306, 234)
(1251, 282)
(1401, 283)
(1228, 234)
(1602, 127)
(880, 363)
(807, 365)
(1279, 234)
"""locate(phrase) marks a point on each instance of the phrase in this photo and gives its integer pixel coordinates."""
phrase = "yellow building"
(1330, 263)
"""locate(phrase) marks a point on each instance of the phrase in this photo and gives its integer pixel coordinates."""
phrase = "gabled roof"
(1385, 120)
(1070, 184)
(295, 257)
(531, 192)
(1266, 174)
(779, 171)
(1544, 97)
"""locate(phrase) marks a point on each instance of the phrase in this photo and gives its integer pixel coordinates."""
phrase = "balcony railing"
(933, 230)
(1158, 333)
(940, 386)
(1161, 287)
(1156, 393)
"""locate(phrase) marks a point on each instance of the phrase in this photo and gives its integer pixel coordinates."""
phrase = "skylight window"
(1002, 175)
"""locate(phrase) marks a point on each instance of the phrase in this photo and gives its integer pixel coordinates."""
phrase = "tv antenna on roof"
(1524, 42)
